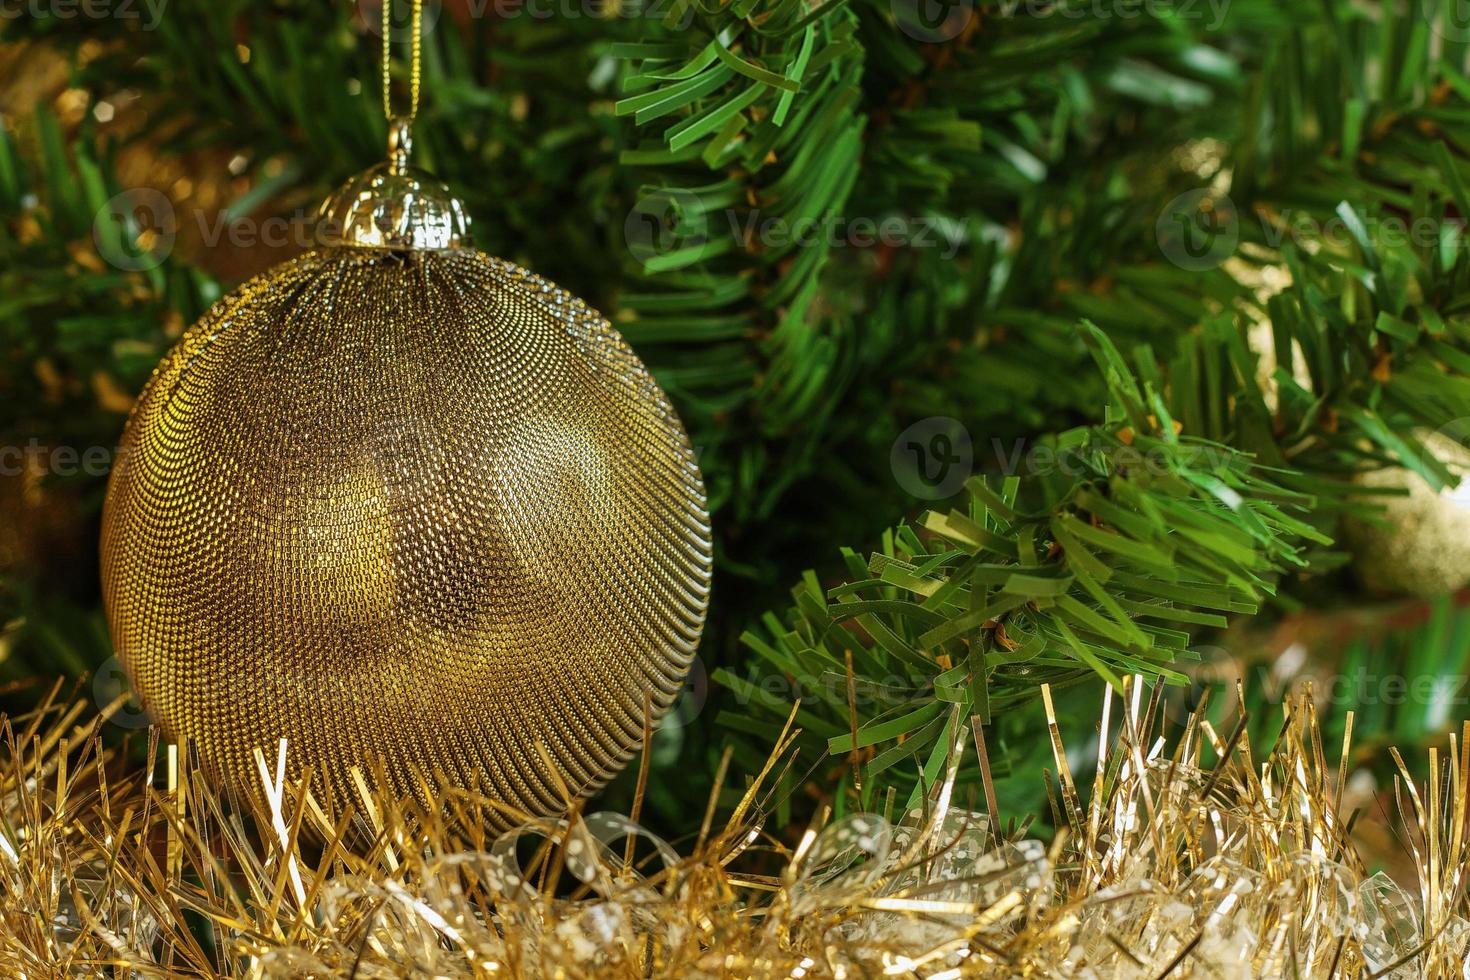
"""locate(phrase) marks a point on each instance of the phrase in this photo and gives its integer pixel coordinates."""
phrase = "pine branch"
(766, 96)
(795, 365)
(1098, 561)
(72, 323)
(1373, 350)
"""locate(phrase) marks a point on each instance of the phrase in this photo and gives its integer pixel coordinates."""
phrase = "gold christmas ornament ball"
(399, 501)
(1422, 545)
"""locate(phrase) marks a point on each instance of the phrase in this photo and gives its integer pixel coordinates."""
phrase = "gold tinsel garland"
(1176, 867)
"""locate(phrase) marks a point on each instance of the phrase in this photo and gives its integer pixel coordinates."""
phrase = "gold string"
(418, 17)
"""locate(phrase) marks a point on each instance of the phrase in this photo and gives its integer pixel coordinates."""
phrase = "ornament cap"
(394, 206)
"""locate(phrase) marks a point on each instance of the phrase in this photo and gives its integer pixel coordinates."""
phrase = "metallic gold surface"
(1420, 543)
(1195, 856)
(393, 206)
(419, 505)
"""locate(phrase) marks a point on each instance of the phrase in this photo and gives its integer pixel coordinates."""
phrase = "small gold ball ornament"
(1421, 543)
(398, 500)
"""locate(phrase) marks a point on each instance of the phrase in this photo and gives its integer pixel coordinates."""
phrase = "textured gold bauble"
(399, 500)
(1421, 545)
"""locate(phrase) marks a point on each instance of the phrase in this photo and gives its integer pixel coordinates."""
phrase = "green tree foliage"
(1180, 270)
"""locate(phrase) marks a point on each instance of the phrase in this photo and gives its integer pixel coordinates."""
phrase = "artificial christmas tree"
(1084, 329)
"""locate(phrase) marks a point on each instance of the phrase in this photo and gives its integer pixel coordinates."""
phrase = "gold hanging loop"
(398, 126)
(400, 143)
